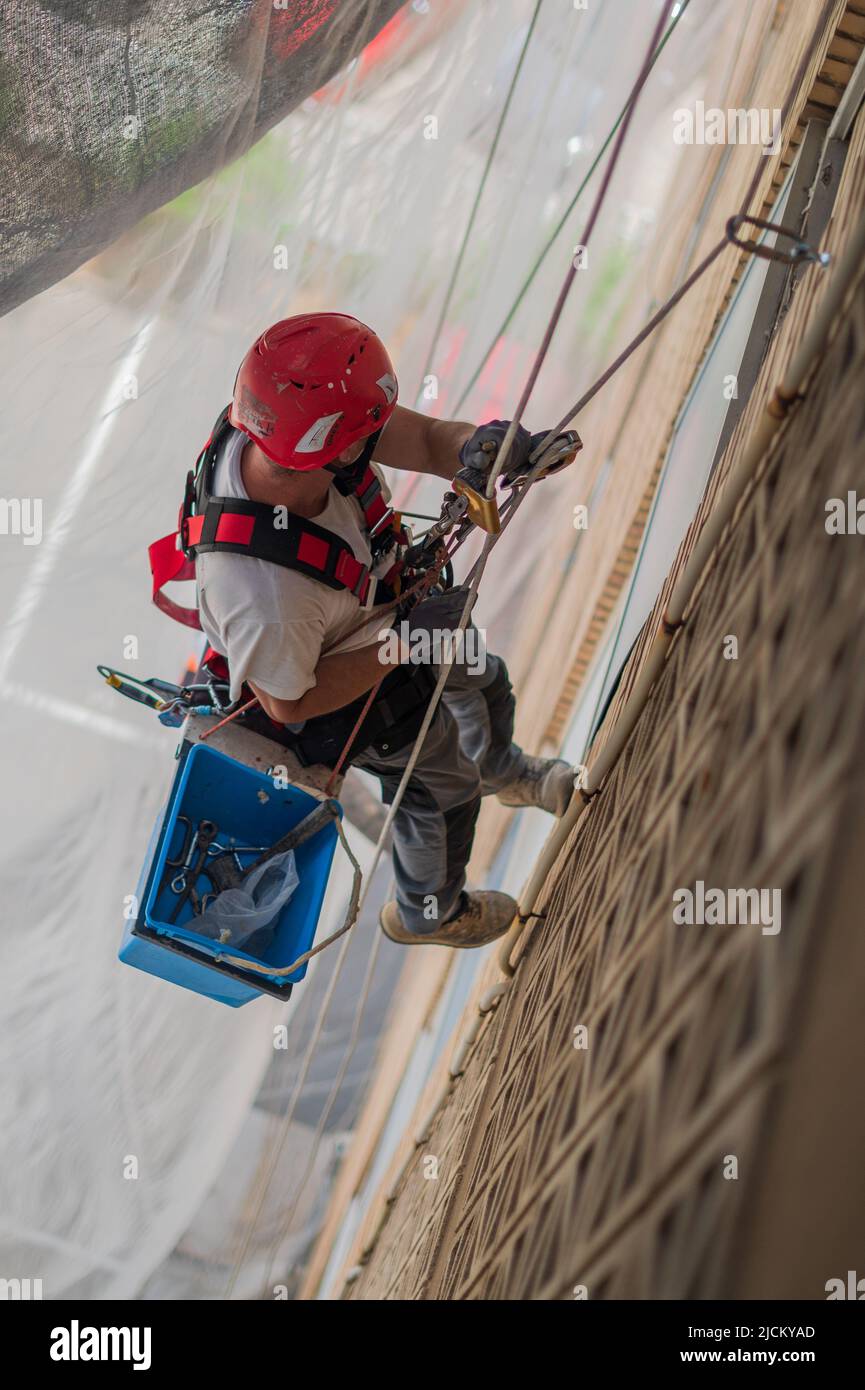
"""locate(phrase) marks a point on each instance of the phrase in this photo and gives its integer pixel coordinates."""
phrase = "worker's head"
(312, 388)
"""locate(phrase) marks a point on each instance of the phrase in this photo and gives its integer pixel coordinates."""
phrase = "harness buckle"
(186, 511)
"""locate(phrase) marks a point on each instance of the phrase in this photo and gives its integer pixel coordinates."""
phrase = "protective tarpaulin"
(357, 201)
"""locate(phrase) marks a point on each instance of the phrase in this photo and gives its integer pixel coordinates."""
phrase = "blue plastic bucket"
(248, 808)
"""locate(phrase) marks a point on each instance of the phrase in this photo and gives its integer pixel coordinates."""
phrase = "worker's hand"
(481, 449)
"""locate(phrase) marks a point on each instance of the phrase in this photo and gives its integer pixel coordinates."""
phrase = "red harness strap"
(167, 563)
(239, 526)
(369, 495)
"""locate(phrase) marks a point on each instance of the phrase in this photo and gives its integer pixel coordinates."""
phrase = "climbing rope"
(336, 1086)
(802, 251)
(476, 574)
(285, 1122)
(554, 235)
(600, 198)
(446, 302)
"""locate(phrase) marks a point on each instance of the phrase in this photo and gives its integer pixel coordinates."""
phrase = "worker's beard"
(280, 471)
(345, 472)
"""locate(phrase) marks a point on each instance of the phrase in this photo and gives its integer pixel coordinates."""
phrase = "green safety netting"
(107, 111)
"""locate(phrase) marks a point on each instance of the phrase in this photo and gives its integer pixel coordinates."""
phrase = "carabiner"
(799, 251)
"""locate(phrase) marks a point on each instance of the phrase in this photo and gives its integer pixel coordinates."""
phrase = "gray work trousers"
(468, 753)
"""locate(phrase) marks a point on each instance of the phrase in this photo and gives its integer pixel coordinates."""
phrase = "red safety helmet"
(311, 386)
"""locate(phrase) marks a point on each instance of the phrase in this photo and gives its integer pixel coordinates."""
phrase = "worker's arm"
(344, 676)
(339, 680)
(416, 443)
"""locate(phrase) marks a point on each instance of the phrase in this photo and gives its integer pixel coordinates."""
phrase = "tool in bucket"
(325, 813)
(223, 871)
(204, 836)
(230, 914)
(247, 916)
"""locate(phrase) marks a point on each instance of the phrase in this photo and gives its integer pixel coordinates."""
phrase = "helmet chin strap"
(348, 475)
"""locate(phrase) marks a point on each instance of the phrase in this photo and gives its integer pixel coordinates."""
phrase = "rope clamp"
(799, 250)
(482, 511)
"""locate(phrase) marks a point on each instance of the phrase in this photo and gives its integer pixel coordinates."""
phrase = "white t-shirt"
(271, 622)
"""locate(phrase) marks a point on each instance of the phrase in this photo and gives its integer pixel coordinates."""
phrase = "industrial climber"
(290, 577)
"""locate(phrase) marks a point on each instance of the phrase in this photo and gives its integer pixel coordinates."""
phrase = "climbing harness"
(209, 523)
(237, 526)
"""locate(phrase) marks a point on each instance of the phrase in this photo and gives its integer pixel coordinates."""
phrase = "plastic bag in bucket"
(245, 918)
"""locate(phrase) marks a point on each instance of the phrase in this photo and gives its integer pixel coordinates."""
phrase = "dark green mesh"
(110, 108)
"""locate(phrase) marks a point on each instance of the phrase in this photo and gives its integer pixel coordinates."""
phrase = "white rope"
(285, 1123)
(348, 1054)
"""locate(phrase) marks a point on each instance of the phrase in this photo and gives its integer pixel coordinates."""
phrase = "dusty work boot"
(545, 782)
(479, 919)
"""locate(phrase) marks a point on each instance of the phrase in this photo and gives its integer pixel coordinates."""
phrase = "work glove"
(480, 451)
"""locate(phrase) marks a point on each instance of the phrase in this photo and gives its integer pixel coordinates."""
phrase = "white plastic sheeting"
(121, 1095)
